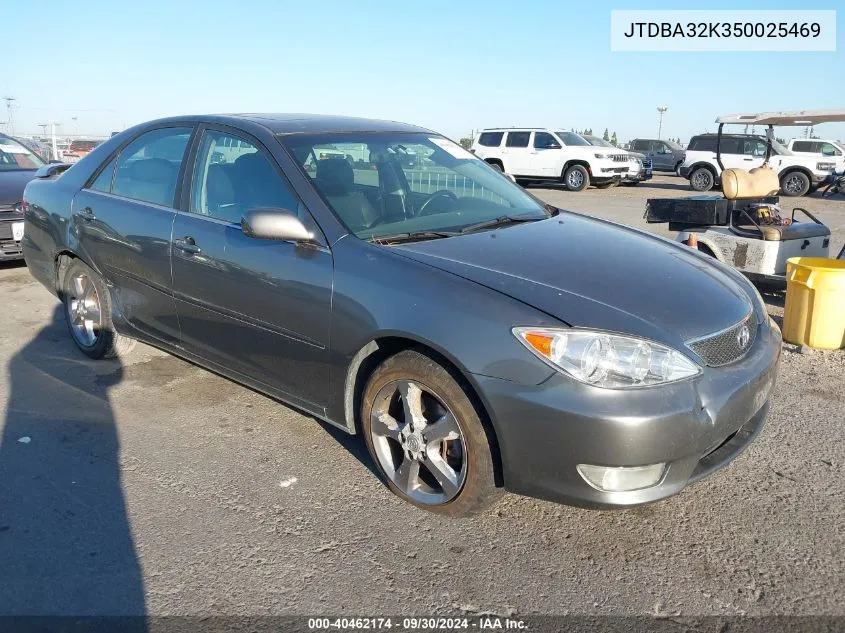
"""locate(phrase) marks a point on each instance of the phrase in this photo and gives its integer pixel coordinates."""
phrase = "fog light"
(621, 479)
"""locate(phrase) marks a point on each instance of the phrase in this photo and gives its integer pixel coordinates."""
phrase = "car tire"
(87, 304)
(451, 477)
(795, 183)
(576, 178)
(702, 179)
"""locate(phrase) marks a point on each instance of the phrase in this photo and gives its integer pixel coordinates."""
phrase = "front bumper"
(695, 427)
(10, 249)
(640, 176)
(684, 171)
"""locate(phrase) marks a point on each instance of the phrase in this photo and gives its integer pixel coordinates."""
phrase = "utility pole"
(10, 122)
(661, 110)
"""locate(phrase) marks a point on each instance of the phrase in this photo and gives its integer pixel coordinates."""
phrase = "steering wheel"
(443, 193)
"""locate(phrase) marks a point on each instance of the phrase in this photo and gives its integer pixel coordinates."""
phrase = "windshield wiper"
(500, 221)
(410, 236)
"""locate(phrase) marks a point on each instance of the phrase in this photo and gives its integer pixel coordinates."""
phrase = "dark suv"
(664, 155)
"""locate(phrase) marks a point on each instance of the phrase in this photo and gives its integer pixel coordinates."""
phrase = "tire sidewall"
(583, 171)
(479, 482)
(105, 338)
(804, 190)
(692, 179)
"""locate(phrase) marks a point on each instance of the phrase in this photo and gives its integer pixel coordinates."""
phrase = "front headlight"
(607, 360)
(600, 155)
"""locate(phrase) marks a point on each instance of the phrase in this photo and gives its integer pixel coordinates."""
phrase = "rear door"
(260, 308)
(517, 156)
(123, 218)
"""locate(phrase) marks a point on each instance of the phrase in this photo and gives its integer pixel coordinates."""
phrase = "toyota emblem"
(743, 336)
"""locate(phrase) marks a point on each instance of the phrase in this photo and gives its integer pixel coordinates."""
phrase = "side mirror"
(275, 224)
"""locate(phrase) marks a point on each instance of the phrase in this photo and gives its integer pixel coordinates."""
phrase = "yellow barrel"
(814, 314)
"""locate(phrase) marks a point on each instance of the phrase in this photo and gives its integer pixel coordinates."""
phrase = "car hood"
(12, 184)
(592, 273)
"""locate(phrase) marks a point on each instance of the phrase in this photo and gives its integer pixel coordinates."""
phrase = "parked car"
(18, 165)
(475, 336)
(538, 154)
(42, 150)
(665, 155)
(80, 148)
(639, 165)
(798, 174)
(819, 148)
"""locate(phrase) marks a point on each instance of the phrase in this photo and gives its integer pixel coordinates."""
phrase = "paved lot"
(157, 487)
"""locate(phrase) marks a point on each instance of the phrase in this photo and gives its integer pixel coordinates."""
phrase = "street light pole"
(661, 110)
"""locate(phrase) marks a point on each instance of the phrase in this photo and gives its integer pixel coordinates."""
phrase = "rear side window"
(518, 139)
(148, 168)
(802, 146)
(642, 146)
(490, 139)
(703, 144)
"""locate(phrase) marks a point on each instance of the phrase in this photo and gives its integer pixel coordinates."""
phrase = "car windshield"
(673, 145)
(571, 138)
(600, 142)
(780, 149)
(15, 156)
(383, 184)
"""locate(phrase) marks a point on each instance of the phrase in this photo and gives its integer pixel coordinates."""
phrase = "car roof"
(297, 123)
(794, 117)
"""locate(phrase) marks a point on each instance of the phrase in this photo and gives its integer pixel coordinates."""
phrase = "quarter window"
(233, 176)
(490, 139)
(518, 139)
(103, 181)
(802, 146)
(148, 168)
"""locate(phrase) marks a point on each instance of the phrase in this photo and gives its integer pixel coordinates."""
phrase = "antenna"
(10, 122)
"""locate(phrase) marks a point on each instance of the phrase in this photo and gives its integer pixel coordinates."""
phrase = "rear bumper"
(693, 427)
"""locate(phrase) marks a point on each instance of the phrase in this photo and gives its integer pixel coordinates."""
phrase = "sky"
(97, 66)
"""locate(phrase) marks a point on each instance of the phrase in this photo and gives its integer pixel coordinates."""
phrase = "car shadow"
(683, 185)
(65, 540)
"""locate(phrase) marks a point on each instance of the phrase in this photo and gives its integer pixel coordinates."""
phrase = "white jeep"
(797, 174)
(540, 154)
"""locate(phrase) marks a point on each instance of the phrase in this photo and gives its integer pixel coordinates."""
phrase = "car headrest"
(760, 182)
(156, 170)
(219, 185)
(334, 176)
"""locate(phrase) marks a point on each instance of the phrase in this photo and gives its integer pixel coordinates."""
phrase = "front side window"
(490, 139)
(828, 149)
(232, 176)
(544, 140)
(15, 155)
(640, 146)
(518, 139)
(148, 168)
(754, 147)
(389, 183)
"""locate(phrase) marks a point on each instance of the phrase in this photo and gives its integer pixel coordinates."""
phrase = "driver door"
(259, 308)
(545, 154)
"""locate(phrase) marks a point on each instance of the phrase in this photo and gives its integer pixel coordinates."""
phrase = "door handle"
(747, 159)
(187, 245)
(86, 214)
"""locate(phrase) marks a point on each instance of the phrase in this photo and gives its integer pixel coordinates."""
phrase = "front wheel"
(702, 179)
(88, 313)
(795, 183)
(576, 178)
(426, 437)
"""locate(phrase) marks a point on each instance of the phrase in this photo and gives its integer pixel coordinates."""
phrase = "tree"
(614, 140)
(466, 143)
(605, 136)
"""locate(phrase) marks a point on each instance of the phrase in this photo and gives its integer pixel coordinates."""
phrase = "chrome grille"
(619, 158)
(723, 348)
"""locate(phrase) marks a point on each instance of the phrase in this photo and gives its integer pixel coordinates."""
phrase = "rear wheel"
(795, 183)
(576, 178)
(702, 179)
(88, 313)
(426, 437)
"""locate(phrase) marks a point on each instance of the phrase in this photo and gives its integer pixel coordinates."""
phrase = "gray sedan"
(383, 279)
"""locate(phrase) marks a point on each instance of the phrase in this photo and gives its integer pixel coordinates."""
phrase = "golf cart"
(746, 227)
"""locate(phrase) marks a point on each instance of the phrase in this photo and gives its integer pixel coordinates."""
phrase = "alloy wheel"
(418, 442)
(794, 184)
(83, 310)
(702, 179)
(576, 179)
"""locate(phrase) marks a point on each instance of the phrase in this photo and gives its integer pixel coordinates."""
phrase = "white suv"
(538, 154)
(820, 148)
(797, 174)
